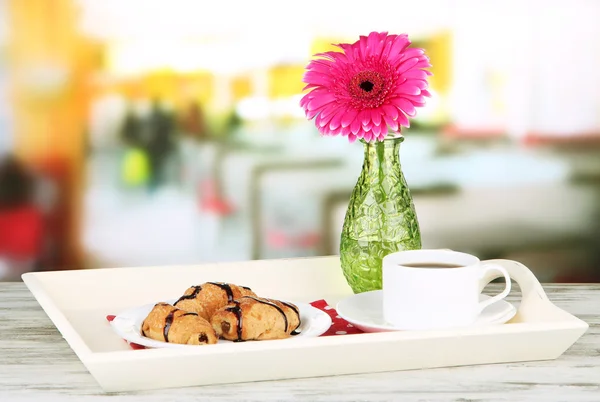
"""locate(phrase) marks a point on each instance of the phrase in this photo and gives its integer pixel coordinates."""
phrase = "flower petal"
(375, 43)
(399, 45)
(349, 117)
(348, 53)
(407, 65)
(321, 66)
(317, 78)
(407, 88)
(390, 111)
(416, 74)
(328, 110)
(304, 101)
(310, 114)
(320, 101)
(403, 120)
(323, 119)
(421, 84)
(365, 117)
(406, 106)
(391, 123)
(324, 131)
(413, 52)
(336, 120)
(362, 46)
(376, 116)
(345, 131)
(355, 126)
(412, 98)
(377, 130)
(387, 47)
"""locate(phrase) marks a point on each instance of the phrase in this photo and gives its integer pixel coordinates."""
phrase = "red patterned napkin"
(339, 326)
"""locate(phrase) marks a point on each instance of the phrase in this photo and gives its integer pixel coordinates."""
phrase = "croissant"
(253, 318)
(170, 324)
(207, 298)
(292, 313)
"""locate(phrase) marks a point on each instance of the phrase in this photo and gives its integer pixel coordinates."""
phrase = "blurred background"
(138, 132)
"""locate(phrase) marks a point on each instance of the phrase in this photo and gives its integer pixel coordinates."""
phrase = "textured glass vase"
(381, 217)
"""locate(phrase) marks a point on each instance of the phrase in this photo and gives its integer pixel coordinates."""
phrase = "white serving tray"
(78, 302)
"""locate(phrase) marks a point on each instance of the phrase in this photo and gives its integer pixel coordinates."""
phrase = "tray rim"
(87, 356)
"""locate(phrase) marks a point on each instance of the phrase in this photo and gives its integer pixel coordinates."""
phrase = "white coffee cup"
(435, 289)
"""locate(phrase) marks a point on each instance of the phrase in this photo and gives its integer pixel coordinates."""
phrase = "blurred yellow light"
(285, 80)
(241, 87)
(321, 44)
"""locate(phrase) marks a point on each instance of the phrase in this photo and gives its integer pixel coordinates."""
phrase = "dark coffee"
(431, 265)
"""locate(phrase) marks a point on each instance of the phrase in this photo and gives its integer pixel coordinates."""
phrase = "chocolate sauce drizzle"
(183, 315)
(268, 303)
(295, 331)
(168, 322)
(226, 288)
(157, 304)
(237, 310)
(191, 296)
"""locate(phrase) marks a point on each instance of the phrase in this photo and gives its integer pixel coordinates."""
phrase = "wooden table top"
(35, 362)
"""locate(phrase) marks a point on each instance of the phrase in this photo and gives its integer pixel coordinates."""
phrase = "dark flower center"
(368, 89)
(367, 86)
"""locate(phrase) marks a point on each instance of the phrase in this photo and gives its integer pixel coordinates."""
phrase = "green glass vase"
(381, 217)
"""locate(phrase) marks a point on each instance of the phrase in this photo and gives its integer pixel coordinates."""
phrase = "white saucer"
(364, 311)
(128, 324)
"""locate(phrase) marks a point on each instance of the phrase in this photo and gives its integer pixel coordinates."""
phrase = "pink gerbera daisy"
(368, 90)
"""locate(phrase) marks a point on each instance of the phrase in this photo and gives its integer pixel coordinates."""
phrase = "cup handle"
(529, 284)
(494, 267)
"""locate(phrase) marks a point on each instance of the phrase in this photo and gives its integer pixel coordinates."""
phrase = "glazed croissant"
(207, 298)
(170, 324)
(253, 318)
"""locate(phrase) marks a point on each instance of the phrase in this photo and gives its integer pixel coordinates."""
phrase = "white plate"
(128, 324)
(364, 311)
